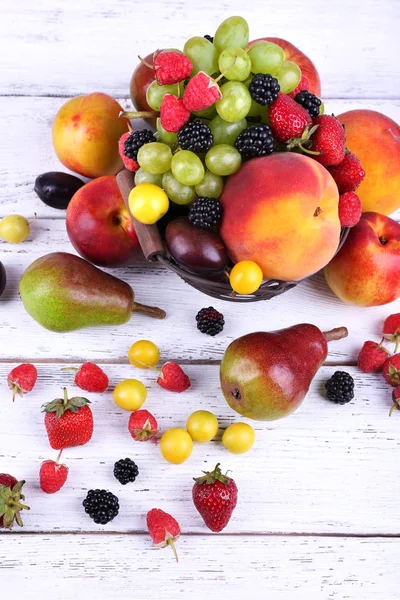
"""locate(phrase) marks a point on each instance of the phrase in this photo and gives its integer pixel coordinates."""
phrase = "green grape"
(234, 31)
(322, 108)
(142, 176)
(177, 191)
(187, 167)
(211, 185)
(266, 57)
(289, 76)
(203, 54)
(165, 136)
(235, 63)
(155, 93)
(235, 102)
(224, 132)
(223, 160)
(155, 157)
(206, 113)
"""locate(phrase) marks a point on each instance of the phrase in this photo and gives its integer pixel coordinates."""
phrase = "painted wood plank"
(215, 566)
(69, 48)
(30, 119)
(325, 469)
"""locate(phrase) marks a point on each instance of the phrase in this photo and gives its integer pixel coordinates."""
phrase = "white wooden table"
(318, 515)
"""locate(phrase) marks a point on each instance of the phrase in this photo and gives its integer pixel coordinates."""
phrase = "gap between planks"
(119, 361)
(210, 534)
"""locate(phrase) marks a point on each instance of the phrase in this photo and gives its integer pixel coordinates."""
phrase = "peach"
(366, 271)
(86, 131)
(281, 211)
(375, 139)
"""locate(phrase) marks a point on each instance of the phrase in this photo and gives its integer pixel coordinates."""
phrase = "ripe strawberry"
(10, 501)
(91, 378)
(68, 421)
(372, 357)
(288, 119)
(171, 67)
(142, 425)
(391, 329)
(348, 174)
(328, 140)
(22, 379)
(201, 92)
(163, 529)
(173, 378)
(215, 497)
(303, 85)
(391, 370)
(396, 400)
(173, 114)
(129, 163)
(52, 476)
(350, 209)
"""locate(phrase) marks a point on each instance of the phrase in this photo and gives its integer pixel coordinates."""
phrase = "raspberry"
(173, 113)
(308, 101)
(348, 174)
(253, 141)
(391, 329)
(195, 136)
(171, 67)
(264, 89)
(396, 400)
(372, 357)
(201, 92)
(129, 163)
(391, 370)
(163, 529)
(350, 209)
(210, 321)
(91, 378)
(304, 84)
(52, 476)
(22, 379)
(340, 388)
(173, 378)
(205, 212)
(142, 425)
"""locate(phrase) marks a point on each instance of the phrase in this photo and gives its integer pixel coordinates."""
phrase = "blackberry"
(209, 38)
(256, 140)
(101, 506)
(264, 89)
(308, 101)
(205, 212)
(210, 321)
(125, 470)
(136, 140)
(340, 388)
(195, 136)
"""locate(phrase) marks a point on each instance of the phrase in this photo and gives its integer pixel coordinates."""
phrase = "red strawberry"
(171, 67)
(163, 529)
(391, 329)
(396, 400)
(391, 370)
(288, 119)
(52, 476)
(22, 379)
(10, 501)
(142, 425)
(350, 209)
(173, 114)
(348, 174)
(215, 497)
(91, 378)
(372, 357)
(303, 85)
(68, 421)
(328, 140)
(173, 378)
(129, 163)
(201, 92)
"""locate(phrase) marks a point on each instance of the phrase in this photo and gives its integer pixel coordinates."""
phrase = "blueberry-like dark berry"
(209, 38)
(256, 140)
(210, 321)
(136, 140)
(101, 506)
(340, 388)
(205, 212)
(125, 470)
(195, 136)
(308, 101)
(264, 89)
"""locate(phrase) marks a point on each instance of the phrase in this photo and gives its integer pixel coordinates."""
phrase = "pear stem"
(150, 311)
(336, 334)
(141, 114)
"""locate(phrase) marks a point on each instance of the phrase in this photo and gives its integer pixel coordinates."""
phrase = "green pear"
(63, 292)
(266, 375)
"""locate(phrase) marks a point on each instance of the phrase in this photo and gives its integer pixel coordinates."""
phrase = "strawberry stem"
(170, 542)
(392, 409)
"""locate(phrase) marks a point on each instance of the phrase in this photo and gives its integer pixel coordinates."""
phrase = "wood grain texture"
(69, 48)
(99, 566)
(325, 469)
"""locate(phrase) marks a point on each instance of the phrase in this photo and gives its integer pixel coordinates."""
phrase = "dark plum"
(200, 251)
(56, 188)
(3, 278)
